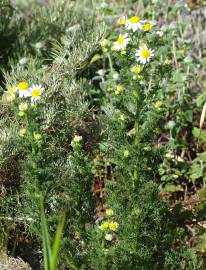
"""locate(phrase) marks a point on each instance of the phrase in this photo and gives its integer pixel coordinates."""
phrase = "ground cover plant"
(102, 135)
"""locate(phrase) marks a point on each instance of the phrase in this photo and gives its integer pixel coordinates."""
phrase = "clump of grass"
(51, 251)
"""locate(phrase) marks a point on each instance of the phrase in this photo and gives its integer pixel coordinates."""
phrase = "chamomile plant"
(131, 116)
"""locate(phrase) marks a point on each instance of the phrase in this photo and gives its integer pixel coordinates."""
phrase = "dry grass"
(11, 263)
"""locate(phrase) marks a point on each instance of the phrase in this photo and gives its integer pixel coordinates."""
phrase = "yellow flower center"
(158, 104)
(122, 21)
(147, 26)
(23, 85)
(120, 40)
(104, 225)
(36, 93)
(113, 226)
(145, 54)
(167, 62)
(109, 212)
(134, 19)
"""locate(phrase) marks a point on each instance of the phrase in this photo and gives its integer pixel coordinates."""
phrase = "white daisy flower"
(23, 89)
(35, 92)
(134, 24)
(144, 54)
(121, 42)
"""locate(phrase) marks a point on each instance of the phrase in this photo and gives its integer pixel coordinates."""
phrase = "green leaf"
(95, 58)
(196, 171)
(45, 237)
(199, 134)
(57, 240)
(189, 116)
(179, 77)
(201, 99)
(170, 188)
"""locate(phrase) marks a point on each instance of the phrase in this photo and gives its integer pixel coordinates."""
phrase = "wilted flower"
(109, 237)
(22, 132)
(160, 33)
(23, 106)
(8, 97)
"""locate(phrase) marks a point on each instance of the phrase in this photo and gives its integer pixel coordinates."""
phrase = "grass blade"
(57, 240)
(46, 240)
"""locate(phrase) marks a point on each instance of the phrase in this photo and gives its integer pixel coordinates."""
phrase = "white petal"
(24, 93)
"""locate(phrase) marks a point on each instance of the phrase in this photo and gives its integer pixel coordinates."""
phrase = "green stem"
(136, 142)
(110, 62)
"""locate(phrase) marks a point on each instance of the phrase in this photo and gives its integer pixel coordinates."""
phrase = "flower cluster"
(23, 90)
(143, 53)
(27, 97)
(109, 226)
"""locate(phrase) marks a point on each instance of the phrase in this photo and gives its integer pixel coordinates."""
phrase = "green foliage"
(51, 253)
(96, 136)
(182, 259)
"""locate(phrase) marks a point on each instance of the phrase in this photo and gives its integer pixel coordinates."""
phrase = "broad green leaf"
(199, 134)
(189, 115)
(201, 99)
